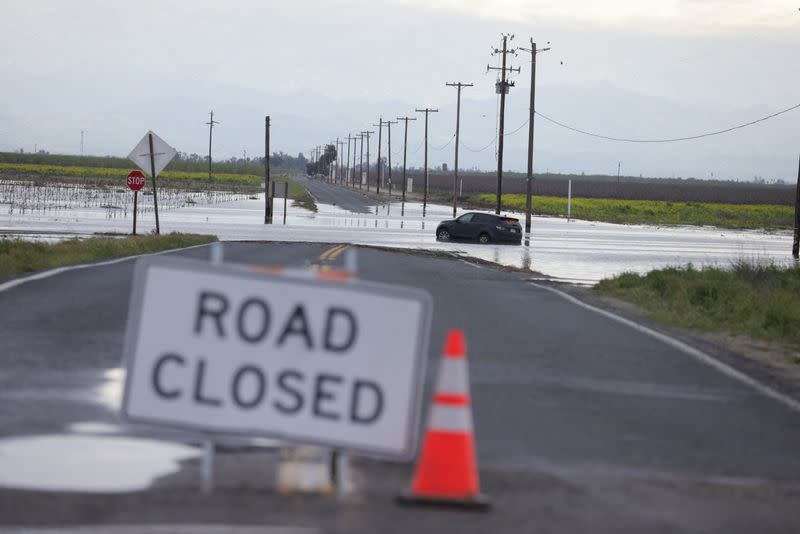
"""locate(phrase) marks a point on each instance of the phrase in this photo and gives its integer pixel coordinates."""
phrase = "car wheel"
(443, 235)
(483, 238)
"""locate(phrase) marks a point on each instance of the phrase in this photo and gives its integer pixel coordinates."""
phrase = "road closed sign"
(219, 349)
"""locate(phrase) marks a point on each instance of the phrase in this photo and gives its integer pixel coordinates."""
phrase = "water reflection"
(579, 250)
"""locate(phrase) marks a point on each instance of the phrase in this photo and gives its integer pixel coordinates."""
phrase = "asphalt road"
(338, 196)
(582, 423)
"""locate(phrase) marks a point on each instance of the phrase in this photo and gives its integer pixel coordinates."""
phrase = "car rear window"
(508, 220)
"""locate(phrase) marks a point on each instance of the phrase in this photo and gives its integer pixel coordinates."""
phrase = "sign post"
(152, 153)
(135, 182)
(221, 349)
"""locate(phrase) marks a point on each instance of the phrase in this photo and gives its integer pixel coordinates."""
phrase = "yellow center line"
(336, 254)
(332, 252)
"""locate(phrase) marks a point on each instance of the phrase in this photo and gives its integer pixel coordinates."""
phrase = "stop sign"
(135, 180)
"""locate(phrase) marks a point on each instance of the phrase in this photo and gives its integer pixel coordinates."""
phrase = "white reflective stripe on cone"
(453, 376)
(450, 418)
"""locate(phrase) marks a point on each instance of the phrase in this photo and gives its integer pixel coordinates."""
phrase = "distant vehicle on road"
(481, 227)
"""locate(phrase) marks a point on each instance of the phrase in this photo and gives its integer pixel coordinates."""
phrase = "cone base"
(479, 502)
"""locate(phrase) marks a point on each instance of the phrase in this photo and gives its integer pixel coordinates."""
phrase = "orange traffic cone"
(446, 471)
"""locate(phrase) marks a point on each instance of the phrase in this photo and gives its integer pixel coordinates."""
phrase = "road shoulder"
(763, 361)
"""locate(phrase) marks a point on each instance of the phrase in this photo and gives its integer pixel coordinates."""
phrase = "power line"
(440, 148)
(670, 140)
(492, 142)
(518, 129)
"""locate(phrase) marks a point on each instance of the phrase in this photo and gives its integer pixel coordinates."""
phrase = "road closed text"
(288, 391)
(250, 385)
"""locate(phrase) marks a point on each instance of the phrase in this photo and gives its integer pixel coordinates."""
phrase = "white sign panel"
(220, 349)
(163, 154)
(410, 185)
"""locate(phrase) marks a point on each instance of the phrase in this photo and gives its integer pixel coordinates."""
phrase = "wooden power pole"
(405, 150)
(268, 204)
(458, 85)
(529, 178)
(367, 134)
(389, 152)
(502, 87)
(796, 244)
(211, 124)
(426, 111)
(353, 180)
(378, 167)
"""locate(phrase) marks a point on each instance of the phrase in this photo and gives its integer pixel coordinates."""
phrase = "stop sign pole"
(135, 181)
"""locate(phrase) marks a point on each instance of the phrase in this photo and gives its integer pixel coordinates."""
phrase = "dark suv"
(482, 227)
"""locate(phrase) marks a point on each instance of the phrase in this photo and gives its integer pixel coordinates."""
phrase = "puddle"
(579, 251)
(87, 463)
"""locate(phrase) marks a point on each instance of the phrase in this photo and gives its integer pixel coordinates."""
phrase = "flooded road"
(575, 251)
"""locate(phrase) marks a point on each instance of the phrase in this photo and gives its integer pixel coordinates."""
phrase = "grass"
(753, 216)
(18, 256)
(760, 300)
(297, 193)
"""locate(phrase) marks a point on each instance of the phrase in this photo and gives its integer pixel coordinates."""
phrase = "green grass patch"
(762, 301)
(18, 256)
(657, 212)
(297, 193)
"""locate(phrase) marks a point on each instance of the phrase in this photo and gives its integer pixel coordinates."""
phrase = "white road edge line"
(58, 270)
(697, 354)
(471, 264)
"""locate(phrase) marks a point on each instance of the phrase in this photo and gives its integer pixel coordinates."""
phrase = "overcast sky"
(325, 68)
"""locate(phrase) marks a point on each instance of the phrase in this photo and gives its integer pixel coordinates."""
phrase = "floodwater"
(96, 463)
(574, 251)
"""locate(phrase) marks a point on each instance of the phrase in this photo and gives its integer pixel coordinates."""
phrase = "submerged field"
(747, 216)
(103, 178)
(762, 301)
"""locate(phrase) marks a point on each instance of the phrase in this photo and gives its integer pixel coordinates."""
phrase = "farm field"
(655, 212)
(627, 188)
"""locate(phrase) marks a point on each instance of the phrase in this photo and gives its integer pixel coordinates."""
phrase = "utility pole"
(529, 178)
(361, 160)
(340, 174)
(619, 167)
(405, 150)
(211, 124)
(378, 167)
(502, 87)
(335, 176)
(389, 152)
(353, 179)
(347, 171)
(268, 205)
(367, 134)
(796, 243)
(332, 162)
(426, 111)
(81, 142)
(459, 85)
